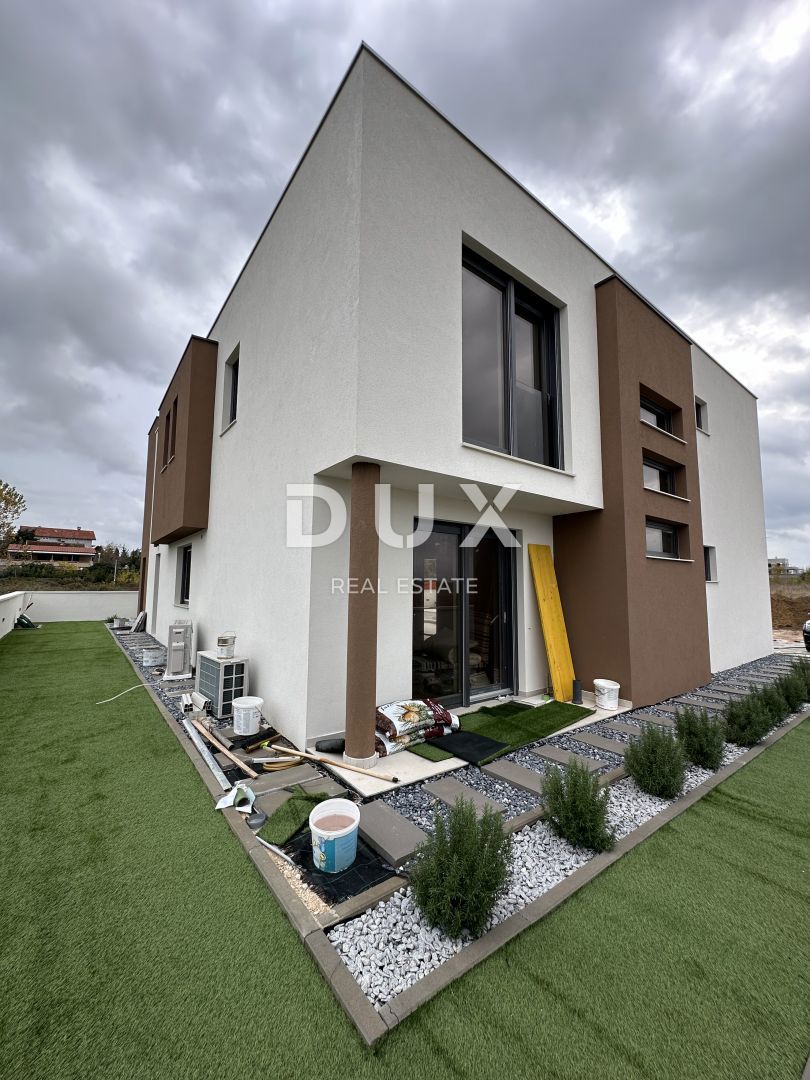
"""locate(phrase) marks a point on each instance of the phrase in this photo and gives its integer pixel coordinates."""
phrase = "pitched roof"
(51, 549)
(64, 534)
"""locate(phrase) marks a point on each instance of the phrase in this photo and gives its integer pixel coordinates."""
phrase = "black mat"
(367, 869)
(469, 746)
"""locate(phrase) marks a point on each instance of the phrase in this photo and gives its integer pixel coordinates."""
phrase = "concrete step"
(449, 791)
(562, 757)
(516, 775)
(391, 834)
(699, 703)
(598, 742)
(623, 729)
(732, 691)
(659, 721)
(670, 710)
(705, 695)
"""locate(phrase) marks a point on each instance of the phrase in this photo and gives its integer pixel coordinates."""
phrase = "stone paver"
(732, 691)
(659, 721)
(562, 757)
(623, 729)
(598, 742)
(389, 833)
(700, 703)
(449, 790)
(271, 801)
(273, 781)
(516, 775)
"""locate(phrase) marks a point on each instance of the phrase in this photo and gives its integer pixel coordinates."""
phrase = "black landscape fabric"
(469, 746)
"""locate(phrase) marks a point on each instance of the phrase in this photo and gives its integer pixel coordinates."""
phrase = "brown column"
(361, 647)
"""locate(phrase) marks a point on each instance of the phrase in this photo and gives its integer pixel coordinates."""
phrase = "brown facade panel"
(636, 619)
(185, 426)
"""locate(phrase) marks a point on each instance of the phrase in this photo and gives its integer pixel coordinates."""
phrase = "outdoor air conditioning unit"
(221, 680)
(178, 651)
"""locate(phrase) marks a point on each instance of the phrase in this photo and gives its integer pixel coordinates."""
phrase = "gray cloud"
(145, 145)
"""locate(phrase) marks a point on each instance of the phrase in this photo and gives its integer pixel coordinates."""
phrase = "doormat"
(368, 869)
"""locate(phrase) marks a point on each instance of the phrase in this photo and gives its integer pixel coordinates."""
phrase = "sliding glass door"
(462, 617)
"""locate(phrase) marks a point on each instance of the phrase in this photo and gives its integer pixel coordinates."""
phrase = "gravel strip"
(416, 805)
(566, 742)
(516, 800)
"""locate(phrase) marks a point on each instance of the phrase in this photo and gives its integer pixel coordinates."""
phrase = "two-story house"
(413, 320)
(76, 546)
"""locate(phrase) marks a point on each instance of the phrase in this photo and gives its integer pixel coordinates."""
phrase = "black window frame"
(519, 300)
(709, 562)
(234, 401)
(701, 416)
(184, 593)
(663, 416)
(666, 528)
(664, 470)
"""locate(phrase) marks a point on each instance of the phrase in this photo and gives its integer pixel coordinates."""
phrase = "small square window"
(662, 539)
(656, 415)
(659, 477)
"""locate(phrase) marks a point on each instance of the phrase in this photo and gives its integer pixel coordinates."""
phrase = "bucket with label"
(153, 656)
(247, 715)
(607, 693)
(334, 826)
(226, 644)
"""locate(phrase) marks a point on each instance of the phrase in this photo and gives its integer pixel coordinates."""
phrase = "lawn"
(137, 940)
(512, 724)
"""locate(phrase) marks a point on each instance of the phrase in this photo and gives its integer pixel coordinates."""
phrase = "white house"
(411, 315)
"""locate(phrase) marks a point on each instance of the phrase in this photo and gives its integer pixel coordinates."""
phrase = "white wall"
(425, 189)
(733, 514)
(12, 606)
(81, 605)
(293, 314)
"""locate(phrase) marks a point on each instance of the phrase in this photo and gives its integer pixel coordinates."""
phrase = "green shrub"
(462, 869)
(656, 762)
(747, 720)
(773, 703)
(702, 737)
(793, 689)
(577, 807)
(801, 671)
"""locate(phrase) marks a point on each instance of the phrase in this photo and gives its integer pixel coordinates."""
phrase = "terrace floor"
(137, 940)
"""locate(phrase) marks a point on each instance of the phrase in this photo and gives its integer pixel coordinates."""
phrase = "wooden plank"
(558, 651)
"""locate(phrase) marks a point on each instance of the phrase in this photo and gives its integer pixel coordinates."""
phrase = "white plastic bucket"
(153, 656)
(225, 646)
(334, 850)
(247, 713)
(607, 693)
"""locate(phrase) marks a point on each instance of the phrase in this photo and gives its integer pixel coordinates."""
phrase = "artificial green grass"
(127, 907)
(511, 723)
(292, 815)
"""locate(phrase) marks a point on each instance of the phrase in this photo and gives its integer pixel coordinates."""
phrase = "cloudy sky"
(145, 143)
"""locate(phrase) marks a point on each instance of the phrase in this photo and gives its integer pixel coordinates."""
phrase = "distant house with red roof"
(56, 545)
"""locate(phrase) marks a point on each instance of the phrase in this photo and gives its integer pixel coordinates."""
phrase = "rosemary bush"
(577, 807)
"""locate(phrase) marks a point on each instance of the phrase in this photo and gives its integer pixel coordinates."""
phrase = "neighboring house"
(412, 315)
(781, 566)
(57, 545)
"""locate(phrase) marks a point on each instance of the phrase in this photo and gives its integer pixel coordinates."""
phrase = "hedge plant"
(577, 807)
(461, 871)
(702, 737)
(748, 720)
(657, 762)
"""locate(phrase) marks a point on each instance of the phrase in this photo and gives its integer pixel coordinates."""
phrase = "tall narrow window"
(710, 563)
(230, 390)
(167, 438)
(701, 415)
(173, 435)
(184, 583)
(510, 359)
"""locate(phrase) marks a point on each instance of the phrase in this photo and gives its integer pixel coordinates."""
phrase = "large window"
(510, 354)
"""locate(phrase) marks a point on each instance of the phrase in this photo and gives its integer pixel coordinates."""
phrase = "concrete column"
(361, 650)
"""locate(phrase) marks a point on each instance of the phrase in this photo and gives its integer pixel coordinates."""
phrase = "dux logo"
(317, 516)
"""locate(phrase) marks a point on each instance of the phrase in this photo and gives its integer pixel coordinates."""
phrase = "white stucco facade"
(738, 601)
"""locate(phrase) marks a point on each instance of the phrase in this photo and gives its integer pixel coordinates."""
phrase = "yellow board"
(558, 651)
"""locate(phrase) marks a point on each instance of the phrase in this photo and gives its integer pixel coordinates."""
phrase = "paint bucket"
(247, 714)
(152, 656)
(225, 646)
(334, 850)
(607, 693)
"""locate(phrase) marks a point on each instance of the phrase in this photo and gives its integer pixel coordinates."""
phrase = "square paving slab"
(562, 757)
(389, 833)
(449, 791)
(516, 775)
